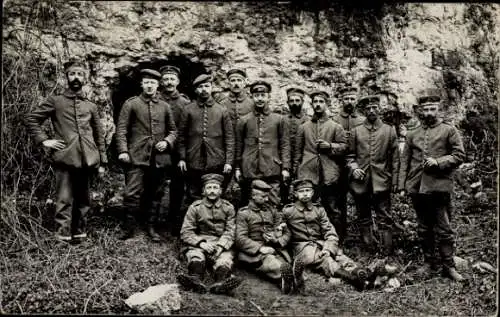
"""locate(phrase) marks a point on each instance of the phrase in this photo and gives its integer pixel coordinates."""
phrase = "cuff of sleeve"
(199, 241)
(41, 138)
(441, 162)
(226, 245)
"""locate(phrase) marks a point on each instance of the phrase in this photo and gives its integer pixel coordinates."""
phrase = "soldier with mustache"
(145, 138)
(77, 148)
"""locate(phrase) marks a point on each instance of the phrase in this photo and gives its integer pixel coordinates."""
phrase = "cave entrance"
(128, 84)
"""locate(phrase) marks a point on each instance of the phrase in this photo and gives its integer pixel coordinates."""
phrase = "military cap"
(73, 62)
(261, 185)
(235, 71)
(321, 93)
(151, 73)
(210, 178)
(429, 96)
(302, 183)
(370, 99)
(170, 69)
(347, 90)
(260, 86)
(296, 91)
(203, 78)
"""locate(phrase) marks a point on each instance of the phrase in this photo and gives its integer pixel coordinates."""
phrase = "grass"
(98, 275)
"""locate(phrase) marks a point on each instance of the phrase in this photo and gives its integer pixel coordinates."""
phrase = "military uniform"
(253, 222)
(322, 166)
(431, 188)
(206, 139)
(178, 103)
(262, 149)
(143, 122)
(374, 149)
(348, 121)
(76, 121)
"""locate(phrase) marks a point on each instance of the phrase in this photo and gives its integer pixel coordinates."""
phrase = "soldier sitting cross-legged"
(208, 235)
(315, 242)
(261, 238)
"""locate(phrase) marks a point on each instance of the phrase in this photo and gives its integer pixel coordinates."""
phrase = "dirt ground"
(98, 275)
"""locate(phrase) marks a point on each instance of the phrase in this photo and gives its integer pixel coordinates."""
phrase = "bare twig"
(93, 293)
(263, 313)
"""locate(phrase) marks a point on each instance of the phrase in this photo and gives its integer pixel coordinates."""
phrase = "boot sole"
(298, 274)
(226, 286)
(287, 278)
(191, 284)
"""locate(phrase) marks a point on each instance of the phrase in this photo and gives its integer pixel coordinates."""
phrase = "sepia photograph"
(249, 158)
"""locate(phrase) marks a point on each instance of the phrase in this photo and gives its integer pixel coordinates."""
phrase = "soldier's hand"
(161, 146)
(124, 157)
(218, 251)
(395, 188)
(402, 193)
(54, 144)
(430, 162)
(101, 170)
(266, 250)
(237, 175)
(182, 166)
(285, 174)
(227, 169)
(270, 237)
(207, 247)
(358, 174)
(322, 144)
(324, 253)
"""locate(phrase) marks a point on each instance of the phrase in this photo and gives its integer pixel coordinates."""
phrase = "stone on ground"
(158, 299)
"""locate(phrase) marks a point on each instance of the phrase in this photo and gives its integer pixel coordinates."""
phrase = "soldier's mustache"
(75, 82)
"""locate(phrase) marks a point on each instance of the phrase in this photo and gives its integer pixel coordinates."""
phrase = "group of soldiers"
(294, 172)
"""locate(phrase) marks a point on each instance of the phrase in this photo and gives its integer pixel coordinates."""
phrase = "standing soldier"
(321, 145)
(238, 103)
(374, 163)
(206, 137)
(77, 149)
(208, 234)
(177, 101)
(432, 151)
(261, 238)
(145, 138)
(349, 118)
(296, 116)
(262, 146)
(315, 242)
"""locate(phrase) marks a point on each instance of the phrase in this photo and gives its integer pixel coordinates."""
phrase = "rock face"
(407, 47)
(158, 299)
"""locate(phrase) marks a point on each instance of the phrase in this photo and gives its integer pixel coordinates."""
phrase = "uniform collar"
(300, 206)
(377, 124)
(172, 96)
(208, 103)
(241, 97)
(266, 111)
(147, 99)
(71, 94)
(438, 121)
(347, 115)
(209, 204)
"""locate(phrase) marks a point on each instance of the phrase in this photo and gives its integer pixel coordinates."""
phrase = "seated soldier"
(208, 234)
(261, 238)
(315, 242)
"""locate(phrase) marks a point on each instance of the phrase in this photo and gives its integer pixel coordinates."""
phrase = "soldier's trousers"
(72, 198)
(342, 192)
(310, 255)
(381, 203)
(274, 193)
(433, 216)
(225, 259)
(328, 194)
(177, 192)
(144, 189)
(270, 266)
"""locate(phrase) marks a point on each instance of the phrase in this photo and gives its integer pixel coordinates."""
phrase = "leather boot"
(298, 275)
(287, 279)
(197, 268)
(155, 237)
(225, 286)
(356, 277)
(367, 238)
(191, 283)
(387, 247)
(221, 273)
(128, 227)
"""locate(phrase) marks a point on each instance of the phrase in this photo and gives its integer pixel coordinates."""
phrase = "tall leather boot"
(367, 237)
(386, 239)
(193, 280)
(129, 225)
(356, 277)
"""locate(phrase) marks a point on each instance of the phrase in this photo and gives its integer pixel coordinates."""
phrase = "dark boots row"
(193, 281)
